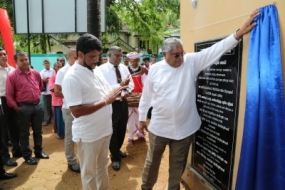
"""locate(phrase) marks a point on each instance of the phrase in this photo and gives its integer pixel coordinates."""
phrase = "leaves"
(148, 19)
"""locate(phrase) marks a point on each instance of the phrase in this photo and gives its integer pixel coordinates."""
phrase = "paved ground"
(53, 173)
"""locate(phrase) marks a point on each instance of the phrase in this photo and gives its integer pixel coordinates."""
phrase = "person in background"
(137, 72)
(61, 60)
(89, 97)
(67, 117)
(3, 174)
(117, 75)
(104, 59)
(9, 124)
(170, 88)
(145, 65)
(46, 74)
(23, 88)
(153, 59)
(57, 104)
(126, 60)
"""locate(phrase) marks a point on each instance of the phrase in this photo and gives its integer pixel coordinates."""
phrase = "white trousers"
(93, 157)
(133, 123)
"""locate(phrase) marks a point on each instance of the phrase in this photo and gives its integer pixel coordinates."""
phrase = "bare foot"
(130, 142)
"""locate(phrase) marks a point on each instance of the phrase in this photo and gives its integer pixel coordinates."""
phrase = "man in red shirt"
(23, 88)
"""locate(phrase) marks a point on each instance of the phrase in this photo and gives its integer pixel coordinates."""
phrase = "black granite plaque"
(217, 101)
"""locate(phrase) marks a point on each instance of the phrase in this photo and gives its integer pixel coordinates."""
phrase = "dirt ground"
(53, 173)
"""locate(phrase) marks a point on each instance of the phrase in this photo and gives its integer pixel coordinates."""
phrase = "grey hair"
(113, 48)
(170, 43)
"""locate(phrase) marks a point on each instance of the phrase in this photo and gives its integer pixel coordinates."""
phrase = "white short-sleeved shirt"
(81, 86)
(59, 78)
(46, 73)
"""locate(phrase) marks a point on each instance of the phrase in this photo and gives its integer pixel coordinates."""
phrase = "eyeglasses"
(177, 55)
(61, 60)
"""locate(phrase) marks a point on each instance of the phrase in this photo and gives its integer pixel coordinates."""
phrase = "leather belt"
(29, 104)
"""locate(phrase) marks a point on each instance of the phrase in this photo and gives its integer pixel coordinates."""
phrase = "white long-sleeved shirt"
(109, 72)
(3, 77)
(171, 92)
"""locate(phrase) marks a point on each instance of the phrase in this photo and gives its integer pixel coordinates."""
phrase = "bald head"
(70, 51)
(71, 56)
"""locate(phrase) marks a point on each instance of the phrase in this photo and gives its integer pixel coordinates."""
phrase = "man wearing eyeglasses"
(170, 90)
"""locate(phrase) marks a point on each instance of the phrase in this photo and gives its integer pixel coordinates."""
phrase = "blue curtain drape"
(262, 160)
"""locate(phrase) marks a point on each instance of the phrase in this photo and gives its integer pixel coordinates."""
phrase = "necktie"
(119, 78)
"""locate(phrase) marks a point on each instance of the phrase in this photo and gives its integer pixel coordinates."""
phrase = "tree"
(147, 18)
(93, 18)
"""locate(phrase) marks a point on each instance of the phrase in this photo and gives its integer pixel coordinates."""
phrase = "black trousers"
(9, 122)
(30, 114)
(2, 170)
(119, 119)
(47, 108)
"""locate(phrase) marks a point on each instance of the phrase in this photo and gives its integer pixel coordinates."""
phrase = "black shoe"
(122, 155)
(30, 161)
(116, 165)
(41, 155)
(9, 143)
(7, 175)
(17, 155)
(74, 168)
(11, 162)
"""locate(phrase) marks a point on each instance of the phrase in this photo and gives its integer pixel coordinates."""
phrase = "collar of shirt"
(48, 70)
(111, 66)
(80, 67)
(8, 67)
(18, 71)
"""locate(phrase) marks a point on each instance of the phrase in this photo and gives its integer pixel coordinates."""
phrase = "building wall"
(213, 19)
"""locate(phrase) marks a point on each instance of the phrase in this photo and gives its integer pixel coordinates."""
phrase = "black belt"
(29, 104)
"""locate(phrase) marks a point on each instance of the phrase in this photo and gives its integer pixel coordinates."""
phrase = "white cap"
(134, 55)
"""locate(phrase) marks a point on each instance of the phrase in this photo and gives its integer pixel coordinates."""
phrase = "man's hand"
(45, 80)
(126, 81)
(143, 127)
(248, 25)
(17, 109)
(111, 97)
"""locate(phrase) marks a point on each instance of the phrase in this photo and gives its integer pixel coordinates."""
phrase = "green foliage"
(148, 18)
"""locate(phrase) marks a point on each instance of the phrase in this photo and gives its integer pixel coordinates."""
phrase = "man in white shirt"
(116, 75)
(174, 116)
(8, 116)
(45, 75)
(66, 114)
(89, 97)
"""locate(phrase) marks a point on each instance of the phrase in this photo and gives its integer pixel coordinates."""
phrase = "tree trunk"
(93, 18)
